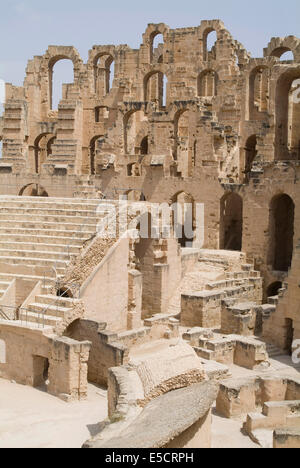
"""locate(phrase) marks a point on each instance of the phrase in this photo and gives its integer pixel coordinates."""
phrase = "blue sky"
(27, 27)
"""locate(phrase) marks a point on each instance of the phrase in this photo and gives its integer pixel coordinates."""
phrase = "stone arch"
(135, 123)
(92, 153)
(156, 52)
(101, 113)
(273, 288)
(50, 144)
(42, 150)
(134, 170)
(64, 292)
(207, 83)
(103, 73)
(280, 51)
(250, 154)
(52, 64)
(209, 51)
(33, 190)
(281, 232)
(287, 112)
(145, 145)
(279, 46)
(183, 218)
(152, 31)
(155, 88)
(53, 55)
(231, 222)
(259, 83)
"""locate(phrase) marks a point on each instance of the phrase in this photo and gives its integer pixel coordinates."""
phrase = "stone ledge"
(158, 423)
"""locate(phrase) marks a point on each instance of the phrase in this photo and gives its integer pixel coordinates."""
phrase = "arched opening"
(101, 113)
(156, 47)
(210, 38)
(259, 82)
(207, 83)
(250, 154)
(288, 116)
(40, 372)
(135, 125)
(289, 326)
(104, 73)
(61, 71)
(155, 89)
(283, 53)
(94, 145)
(42, 150)
(64, 292)
(273, 289)
(144, 145)
(50, 145)
(33, 190)
(281, 231)
(231, 222)
(133, 170)
(184, 218)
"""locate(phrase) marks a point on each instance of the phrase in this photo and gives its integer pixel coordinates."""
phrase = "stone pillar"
(68, 369)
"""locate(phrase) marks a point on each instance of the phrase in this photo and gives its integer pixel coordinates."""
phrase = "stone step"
(49, 299)
(44, 200)
(32, 262)
(35, 254)
(6, 277)
(273, 351)
(76, 235)
(58, 241)
(32, 317)
(49, 212)
(32, 247)
(48, 309)
(21, 204)
(44, 218)
(48, 226)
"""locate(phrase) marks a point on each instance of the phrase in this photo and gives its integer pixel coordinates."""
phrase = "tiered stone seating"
(39, 237)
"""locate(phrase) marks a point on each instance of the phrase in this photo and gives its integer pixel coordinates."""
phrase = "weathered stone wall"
(45, 356)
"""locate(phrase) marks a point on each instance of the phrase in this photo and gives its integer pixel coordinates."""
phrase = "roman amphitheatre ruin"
(133, 341)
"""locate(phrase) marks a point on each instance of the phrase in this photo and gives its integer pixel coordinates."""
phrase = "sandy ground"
(30, 418)
(226, 434)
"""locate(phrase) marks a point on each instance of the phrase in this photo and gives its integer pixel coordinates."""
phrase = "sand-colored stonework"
(160, 321)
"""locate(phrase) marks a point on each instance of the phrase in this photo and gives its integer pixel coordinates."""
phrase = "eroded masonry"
(168, 325)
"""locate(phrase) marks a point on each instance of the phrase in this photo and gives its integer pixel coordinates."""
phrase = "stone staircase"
(48, 310)
(39, 237)
(220, 271)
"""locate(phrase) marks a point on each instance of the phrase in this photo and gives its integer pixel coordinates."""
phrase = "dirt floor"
(30, 418)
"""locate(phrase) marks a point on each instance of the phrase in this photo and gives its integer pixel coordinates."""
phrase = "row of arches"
(281, 228)
(209, 40)
(281, 222)
(155, 83)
